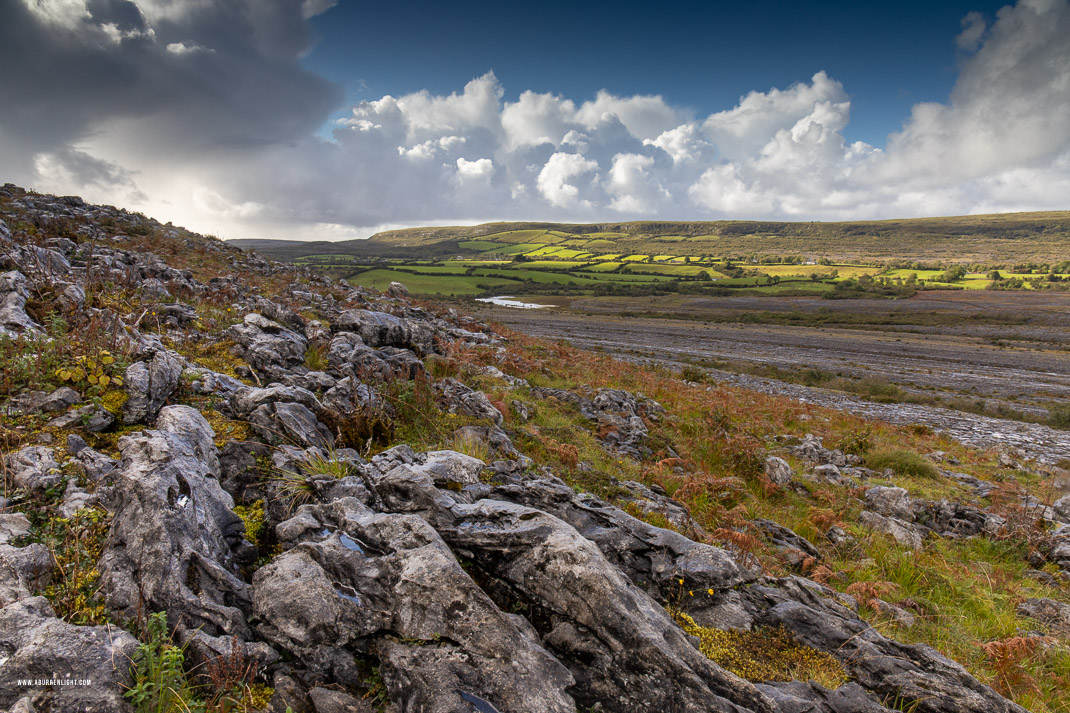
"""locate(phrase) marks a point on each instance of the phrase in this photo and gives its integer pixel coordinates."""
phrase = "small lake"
(510, 301)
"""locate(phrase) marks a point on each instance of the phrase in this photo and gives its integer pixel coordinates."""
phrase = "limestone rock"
(915, 673)
(149, 385)
(455, 397)
(902, 532)
(890, 502)
(37, 645)
(364, 575)
(267, 346)
(175, 543)
(33, 468)
(778, 470)
(1055, 614)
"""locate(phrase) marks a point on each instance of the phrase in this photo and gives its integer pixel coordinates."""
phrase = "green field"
(478, 245)
(515, 249)
(1000, 240)
(807, 270)
(884, 258)
(603, 266)
(552, 264)
(428, 284)
(674, 270)
(525, 236)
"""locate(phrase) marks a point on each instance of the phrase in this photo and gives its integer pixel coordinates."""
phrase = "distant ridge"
(1043, 235)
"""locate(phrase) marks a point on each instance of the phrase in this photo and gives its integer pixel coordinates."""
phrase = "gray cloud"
(82, 64)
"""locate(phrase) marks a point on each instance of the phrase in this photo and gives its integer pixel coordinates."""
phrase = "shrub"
(1059, 416)
(901, 463)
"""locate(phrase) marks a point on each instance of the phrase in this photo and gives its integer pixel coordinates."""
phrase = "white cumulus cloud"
(555, 179)
(200, 112)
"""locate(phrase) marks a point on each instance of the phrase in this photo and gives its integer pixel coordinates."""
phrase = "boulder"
(955, 519)
(1062, 508)
(149, 385)
(449, 469)
(890, 502)
(290, 423)
(14, 291)
(652, 557)
(348, 355)
(33, 468)
(827, 473)
(620, 645)
(245, 400)
(267, 346)
(618, 413)
(365, 574)
(901, 531)
(44, 402)
(376, 329)
(916, 673)
(455, 397)
(796, 547)
(23, 569)
(175, 543)
(1055, 615)
(810, 697)
(92, 418)
(812, 450)
(39, 647)
(13, 525)
(778, 470)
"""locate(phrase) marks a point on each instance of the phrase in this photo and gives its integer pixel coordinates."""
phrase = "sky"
(333, 119)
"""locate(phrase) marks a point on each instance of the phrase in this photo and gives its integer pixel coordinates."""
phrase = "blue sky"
(332, 119)
(700, 55)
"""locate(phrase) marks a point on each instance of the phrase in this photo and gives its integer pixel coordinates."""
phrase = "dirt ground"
(1001, 347)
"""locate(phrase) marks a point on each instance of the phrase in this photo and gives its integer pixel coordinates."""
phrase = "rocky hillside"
(233, 485)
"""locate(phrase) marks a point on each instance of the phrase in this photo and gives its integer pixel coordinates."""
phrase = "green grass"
(843, 271)
(516, 249)
(541, 277)
(545, 250)
(675, 270)
(551, 264)
(480, 245)
(617, 277)
(428, 284)
(523, 236)
(603, 266)
(427, 269)
(475, 263)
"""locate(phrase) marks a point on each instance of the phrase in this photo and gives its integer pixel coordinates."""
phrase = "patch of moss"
(215, 354)
(256, 697)
(253, 517)
(766, 654)
(113, 401)
(225, 428)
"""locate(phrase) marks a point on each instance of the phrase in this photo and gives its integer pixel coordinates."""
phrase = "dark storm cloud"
(204, 75)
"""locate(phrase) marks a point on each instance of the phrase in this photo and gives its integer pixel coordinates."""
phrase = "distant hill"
(1000, 237)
